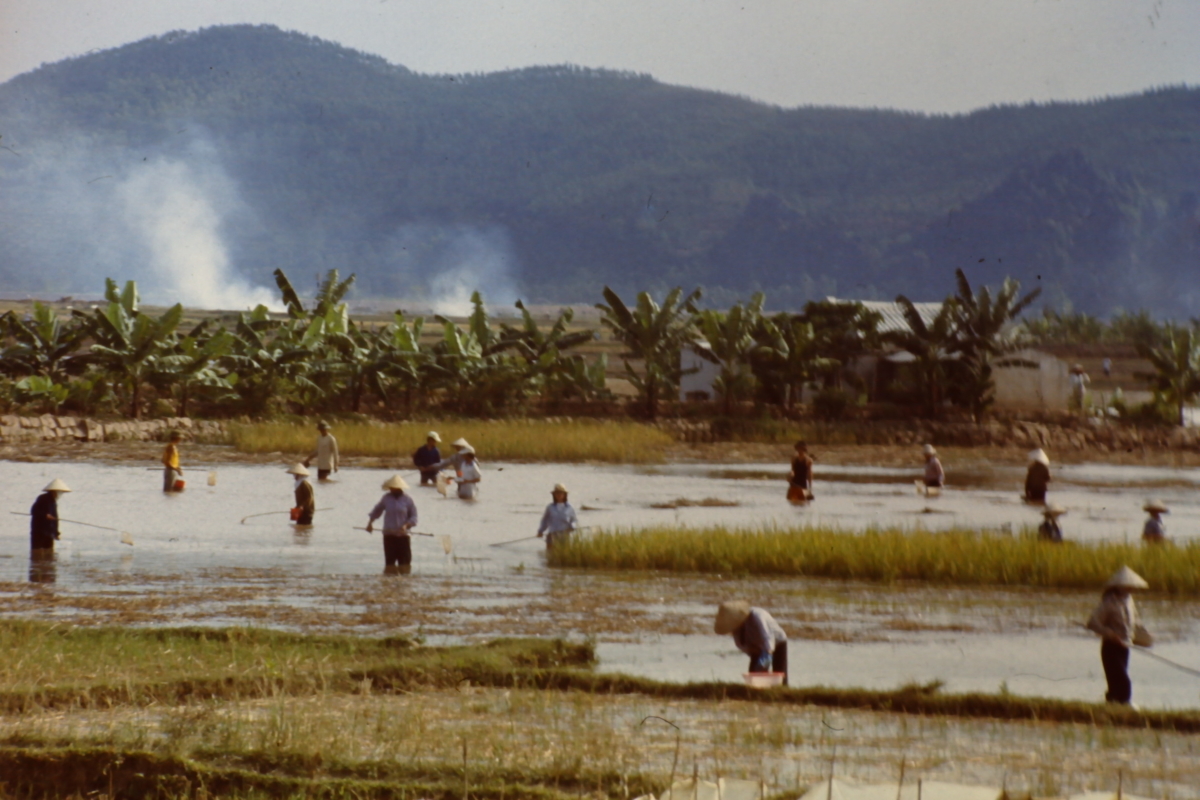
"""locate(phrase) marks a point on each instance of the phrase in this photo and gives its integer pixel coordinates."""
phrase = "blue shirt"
(397, 512)
(426, 456)
(559, 517)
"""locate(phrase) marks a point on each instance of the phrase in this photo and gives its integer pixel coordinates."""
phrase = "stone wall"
(50, 428)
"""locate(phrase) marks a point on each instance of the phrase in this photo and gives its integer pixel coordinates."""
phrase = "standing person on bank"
(468, 475)
(306, 498)
(43, 517)
(559, 520)
(427, 457)
(1116, 620)
(757, 634)
(800, 478)
(326, 453)
(172, 472)
(1037, 477)
(935, 476)
(399, 517)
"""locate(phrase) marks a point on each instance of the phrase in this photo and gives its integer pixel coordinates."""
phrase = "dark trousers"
(428, 476)
(397, 550)
(305, 518)
(778, 661)
(323, 474)
(42, 541)
(1115, 659)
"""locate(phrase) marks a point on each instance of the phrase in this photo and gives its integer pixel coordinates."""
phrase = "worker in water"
(756, 633)
(1116, 620)
(800, 478)
(1037, 477)
(559, 520)
(1155, 530)
(935, 476)
(1050, 530)
(306, 498)
(172, 473)
(43, 517)
(468, 475)
(455, 460)
(399, 517)
(326, 453)
(427, 457)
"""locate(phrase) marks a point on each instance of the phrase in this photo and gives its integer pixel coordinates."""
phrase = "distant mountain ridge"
(231, 151)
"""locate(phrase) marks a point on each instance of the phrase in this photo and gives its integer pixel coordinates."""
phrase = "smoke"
(441, 265)
(78, 210)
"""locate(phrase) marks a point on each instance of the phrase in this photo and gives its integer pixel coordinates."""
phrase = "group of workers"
(754, 631)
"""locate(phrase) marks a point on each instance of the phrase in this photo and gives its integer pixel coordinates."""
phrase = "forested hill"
(263, 148)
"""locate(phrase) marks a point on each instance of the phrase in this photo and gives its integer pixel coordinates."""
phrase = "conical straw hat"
(929, 450)
(395, 482)
(57, 485)
(1125, 578)
(1156, 505)
(558, 487)
(299, 470)
(460, 442)
(468, 449)
(1039, 455)
(730, 615)
(433, 435)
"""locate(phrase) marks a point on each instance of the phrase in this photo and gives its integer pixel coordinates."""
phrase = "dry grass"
(956, 557)
(495, 440)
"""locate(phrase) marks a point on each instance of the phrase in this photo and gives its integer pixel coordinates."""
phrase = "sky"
(936, 56)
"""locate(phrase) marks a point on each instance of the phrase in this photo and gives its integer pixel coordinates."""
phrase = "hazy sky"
(929, 55)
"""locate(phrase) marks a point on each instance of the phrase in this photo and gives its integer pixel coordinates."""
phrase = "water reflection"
(43, 566)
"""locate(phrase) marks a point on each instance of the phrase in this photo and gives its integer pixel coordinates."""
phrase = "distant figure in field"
(1037, 477)
(1050, 530)
(1106, 365)
(172, 472)
(1155, 530)
(935, 476)
(427, 457)
(468, 475)
(306, 499)
(399, 517)
(756, 633)
(326, 453)
(1079, 386)
(559, 519)
(800, 478)
(43, 517)
(1116, 620)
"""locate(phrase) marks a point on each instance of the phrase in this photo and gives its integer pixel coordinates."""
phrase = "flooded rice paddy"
(194, 562)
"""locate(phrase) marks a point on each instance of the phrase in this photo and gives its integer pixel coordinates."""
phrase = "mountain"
(199, 162)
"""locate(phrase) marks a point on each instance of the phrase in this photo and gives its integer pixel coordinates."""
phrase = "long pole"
(268, 513)
(410, 533)
(73, 522)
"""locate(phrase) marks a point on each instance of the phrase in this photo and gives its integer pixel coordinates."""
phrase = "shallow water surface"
(194, 562)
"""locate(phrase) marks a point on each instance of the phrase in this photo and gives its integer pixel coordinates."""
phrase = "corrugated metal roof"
(893, 317)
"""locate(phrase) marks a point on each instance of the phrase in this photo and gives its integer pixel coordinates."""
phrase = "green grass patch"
(955, 557)
(495, 440)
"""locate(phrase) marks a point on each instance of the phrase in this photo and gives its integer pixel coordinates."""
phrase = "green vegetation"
(496, 440)
(957, 557)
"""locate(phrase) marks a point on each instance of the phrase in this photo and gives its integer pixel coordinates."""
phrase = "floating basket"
(764, 680)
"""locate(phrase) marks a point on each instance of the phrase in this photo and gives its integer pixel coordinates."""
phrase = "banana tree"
(129, 344)
(730, 338)
(271, 359)
(930, 347)
(655, 335)
(1176, 362)
(549, 367)
(786, 356)
(474, 366)
(44, 345)
(195, 364)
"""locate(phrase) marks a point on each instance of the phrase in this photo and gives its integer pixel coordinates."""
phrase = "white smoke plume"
(441, 265)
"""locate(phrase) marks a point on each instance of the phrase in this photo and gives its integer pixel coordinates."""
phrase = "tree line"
(118, 358)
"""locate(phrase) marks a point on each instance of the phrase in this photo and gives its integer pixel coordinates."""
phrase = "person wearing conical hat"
(756, 633)
(1037, 477)
(1155, 530)
(455, 460)
(306, 498)
(1050, 530)
(326, 453)
(469, 475)
(172, 472)
(559, 520)
(1079, 385)
(43, 517)
(935, 476)
(399, 514)
(1116, 621)
(427, 457)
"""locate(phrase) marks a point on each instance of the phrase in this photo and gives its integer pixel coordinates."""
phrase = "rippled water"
(194, 562)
